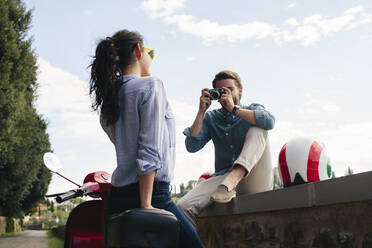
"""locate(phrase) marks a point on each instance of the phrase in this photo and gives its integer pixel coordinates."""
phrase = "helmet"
(303, 160)
(203, 177)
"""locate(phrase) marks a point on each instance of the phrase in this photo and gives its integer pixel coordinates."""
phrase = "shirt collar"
(128, 77)
(224, 111)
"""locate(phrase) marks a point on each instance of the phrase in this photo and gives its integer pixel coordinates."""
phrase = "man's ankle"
(234, 177)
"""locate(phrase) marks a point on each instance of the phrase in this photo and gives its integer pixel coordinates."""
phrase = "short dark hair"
(226, 74)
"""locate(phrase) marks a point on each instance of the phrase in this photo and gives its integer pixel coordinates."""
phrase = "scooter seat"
(154, 228)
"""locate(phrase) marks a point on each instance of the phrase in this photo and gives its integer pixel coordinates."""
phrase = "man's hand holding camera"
(205, 100)
(227, 100)
(223, 95)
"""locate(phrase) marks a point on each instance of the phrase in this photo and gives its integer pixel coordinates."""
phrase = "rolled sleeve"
(147, 161)
(150, 146)
(264, 118)
(196, 142)
(187, 133)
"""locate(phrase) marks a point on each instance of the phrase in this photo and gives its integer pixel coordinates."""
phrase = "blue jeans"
(127, 197)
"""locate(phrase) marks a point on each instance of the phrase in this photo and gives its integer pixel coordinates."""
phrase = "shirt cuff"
(187, 133)
(262, 120)
(143, 167)
(260, 117)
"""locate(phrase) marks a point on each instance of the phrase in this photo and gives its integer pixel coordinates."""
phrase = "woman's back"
(143, 135)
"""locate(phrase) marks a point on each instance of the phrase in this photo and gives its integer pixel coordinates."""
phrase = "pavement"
(27, 239)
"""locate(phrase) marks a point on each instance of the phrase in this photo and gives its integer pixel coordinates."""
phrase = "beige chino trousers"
(255, 157)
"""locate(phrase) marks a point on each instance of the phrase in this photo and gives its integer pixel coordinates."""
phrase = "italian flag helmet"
(303, 160)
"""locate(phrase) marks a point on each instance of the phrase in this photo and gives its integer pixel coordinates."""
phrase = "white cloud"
(73, 128)
(367, 19)
(307, 34)
(292, 5)
(313, 19)
(211, 31)
(309, 31)
(291, 22)
(330, 25)
(160, 8)
(63, 99)
(355, 10)
(314, 106)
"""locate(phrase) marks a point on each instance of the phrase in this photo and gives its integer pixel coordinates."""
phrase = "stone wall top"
(346, 189)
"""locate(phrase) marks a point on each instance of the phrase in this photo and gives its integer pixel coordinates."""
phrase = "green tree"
(277, 181)
(23, 138)
(333, 174)
(76, 201)
(182, 188)
(349, 171)
(51, 207)
(191, 184)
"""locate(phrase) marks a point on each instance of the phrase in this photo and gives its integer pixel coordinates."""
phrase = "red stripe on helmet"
(313, 162)
(284, 166)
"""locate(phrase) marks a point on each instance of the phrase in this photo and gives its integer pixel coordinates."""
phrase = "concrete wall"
(332, 213)
(2, 225)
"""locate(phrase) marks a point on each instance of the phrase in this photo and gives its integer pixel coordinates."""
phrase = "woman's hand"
(149, 207)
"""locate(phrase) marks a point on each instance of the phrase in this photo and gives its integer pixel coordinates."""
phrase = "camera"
(216, 93)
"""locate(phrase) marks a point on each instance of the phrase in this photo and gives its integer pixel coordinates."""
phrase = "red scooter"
(85, 224)
(90, 226)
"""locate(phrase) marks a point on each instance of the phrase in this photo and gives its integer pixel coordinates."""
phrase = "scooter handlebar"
(68, 195)
(92, 189)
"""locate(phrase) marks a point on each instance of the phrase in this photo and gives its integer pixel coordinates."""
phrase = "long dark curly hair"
(112, 57)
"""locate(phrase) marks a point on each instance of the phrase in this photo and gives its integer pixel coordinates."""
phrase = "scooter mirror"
(52, 162)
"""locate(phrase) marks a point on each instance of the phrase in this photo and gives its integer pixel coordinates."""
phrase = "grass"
(53, 241)
(9, 234)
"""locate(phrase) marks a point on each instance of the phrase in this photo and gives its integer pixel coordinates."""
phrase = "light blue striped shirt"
(144, 135)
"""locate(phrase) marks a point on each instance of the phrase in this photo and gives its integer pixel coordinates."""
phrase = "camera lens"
(215, 95)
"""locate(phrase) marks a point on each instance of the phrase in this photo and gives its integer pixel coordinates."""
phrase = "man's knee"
(184, 206)
(180, 204)
(257, 130)
(256, 134)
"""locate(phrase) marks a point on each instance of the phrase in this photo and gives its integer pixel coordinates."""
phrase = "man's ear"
(137, 51)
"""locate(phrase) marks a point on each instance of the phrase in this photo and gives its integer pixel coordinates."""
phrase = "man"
(242, 153)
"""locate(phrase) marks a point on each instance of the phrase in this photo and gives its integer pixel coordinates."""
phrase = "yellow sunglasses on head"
(150, 51)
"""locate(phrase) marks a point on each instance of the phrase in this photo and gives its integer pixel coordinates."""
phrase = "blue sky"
(308, 62)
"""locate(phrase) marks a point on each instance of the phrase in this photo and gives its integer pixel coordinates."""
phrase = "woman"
(136, 115)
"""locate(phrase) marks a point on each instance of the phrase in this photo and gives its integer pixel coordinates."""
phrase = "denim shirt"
(144, 135)
(227, 132)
